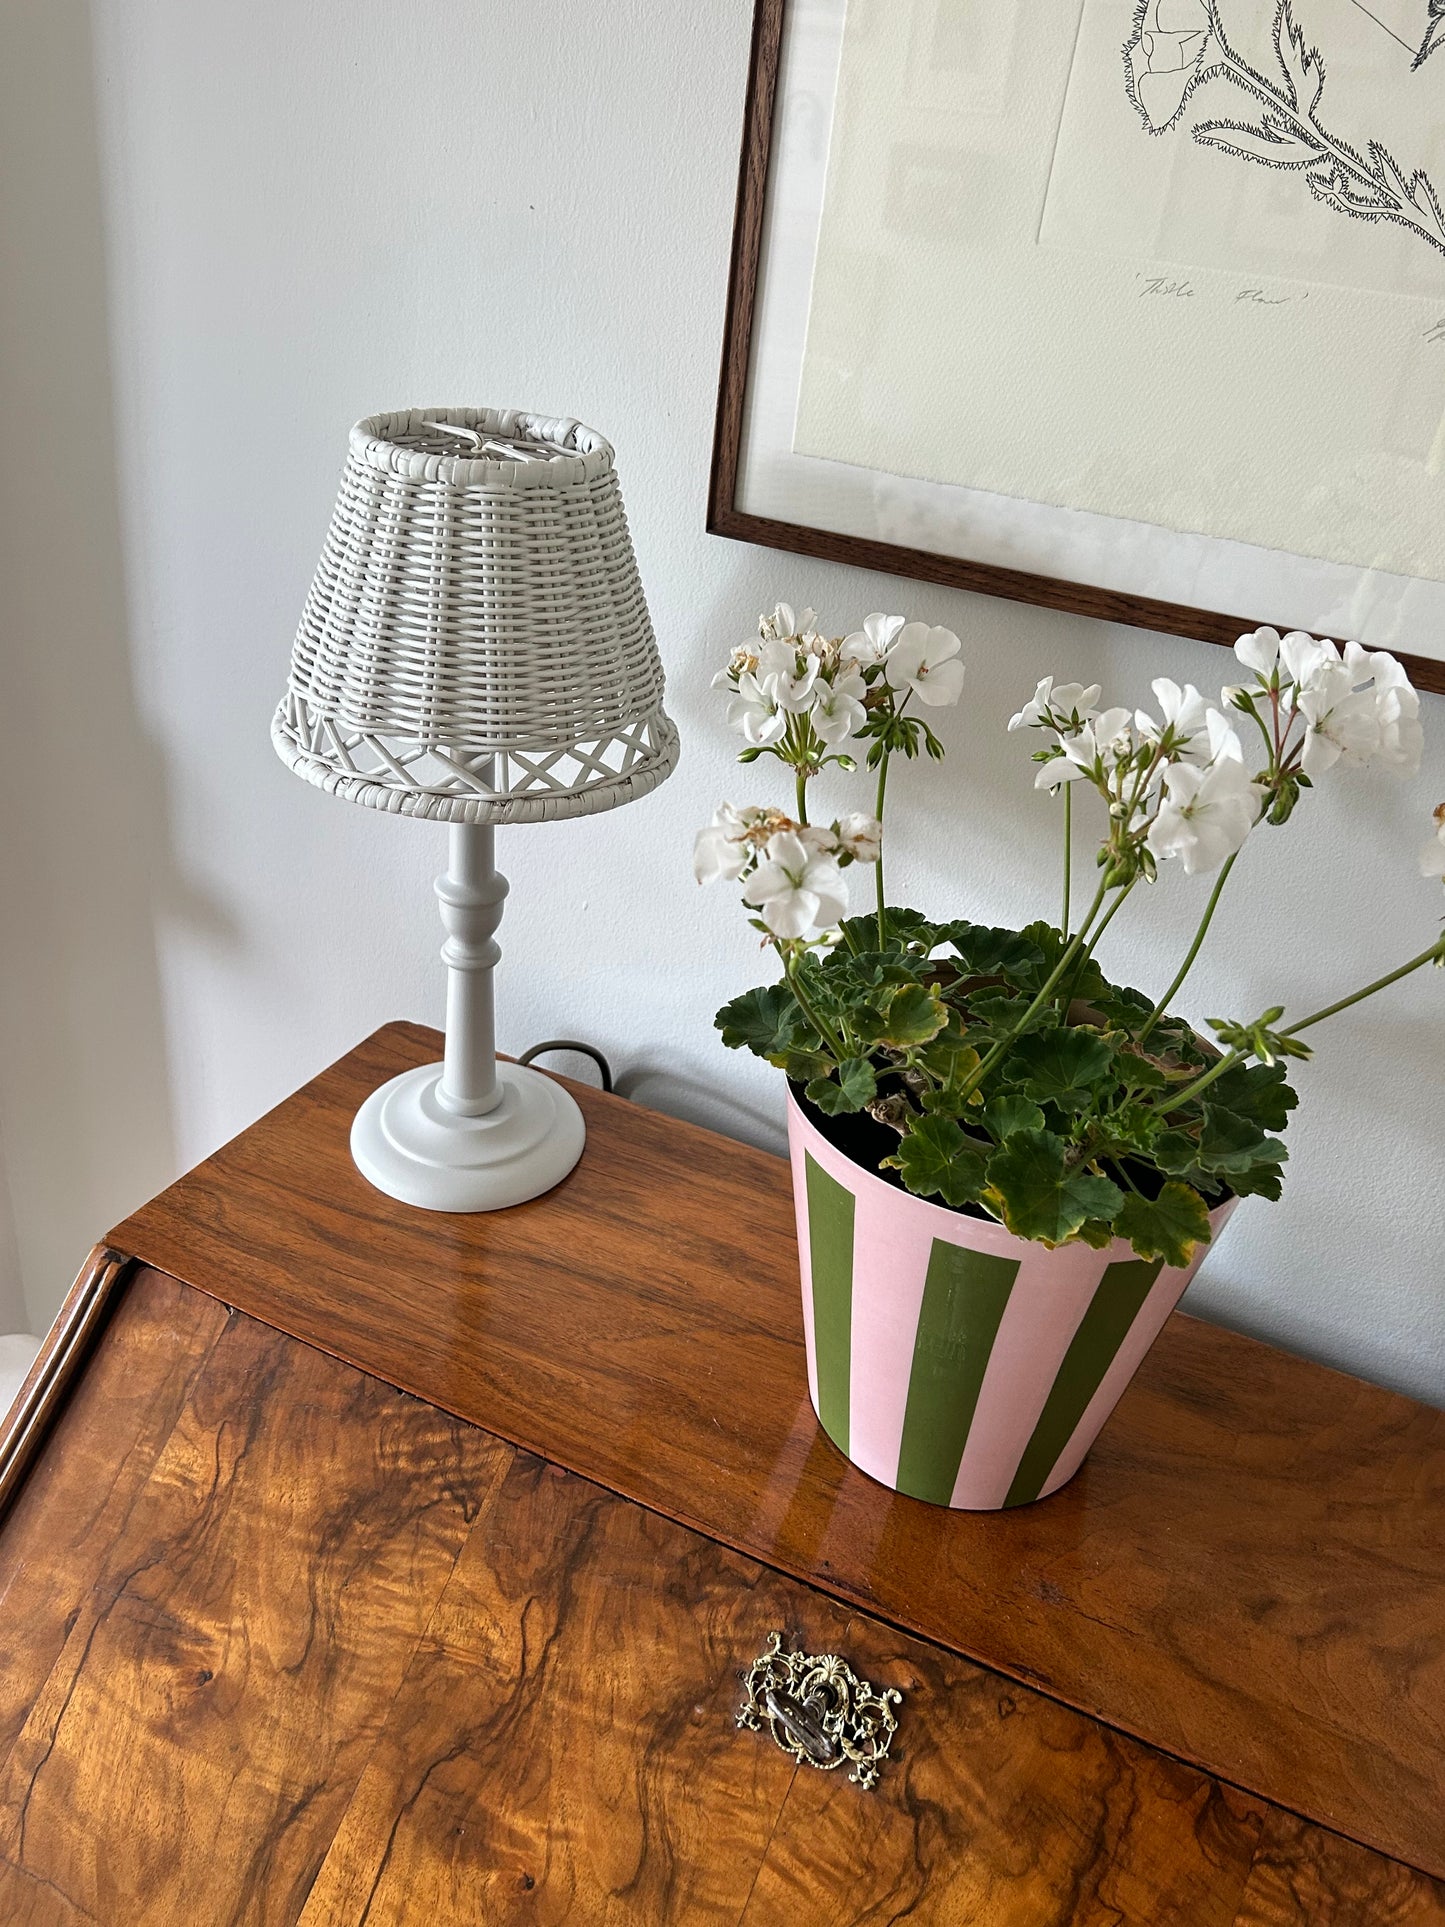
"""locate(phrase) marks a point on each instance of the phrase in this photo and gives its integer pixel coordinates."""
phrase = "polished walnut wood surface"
(1249, 1573)
(318, 1652)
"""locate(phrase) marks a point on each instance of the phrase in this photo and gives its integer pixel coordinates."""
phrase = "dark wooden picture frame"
(725, 518)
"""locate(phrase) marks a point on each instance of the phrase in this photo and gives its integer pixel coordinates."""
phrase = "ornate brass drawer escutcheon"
(816, 1708)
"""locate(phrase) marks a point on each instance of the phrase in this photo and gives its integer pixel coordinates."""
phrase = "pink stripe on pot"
(1052, 1292)
(891, 1249)
(1167, 1290)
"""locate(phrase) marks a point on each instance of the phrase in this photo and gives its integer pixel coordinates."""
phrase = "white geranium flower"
(1305, 659)
(923, 660)
(1259, 652)
(1397, 707)
(838, 711)
(755, 710)
(1102, 742)
(1432, 857)
(782, 625)
(861, 836)
(789, 674)
(1206, 814)
(1223, 738)
(819, 839)
(872, 642)
(720, 853)
(1401, 737)
(1185, 724)
(1342, 723)
(1035, 714)
(798, 891)
(1066, 708)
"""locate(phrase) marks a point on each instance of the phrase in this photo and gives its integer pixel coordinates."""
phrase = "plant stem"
(802, 792)
(1172, 1100)
(1005, 1044)
(835, 1044)
(878, 813)
(1068, 853)
(1108, 917)
(1432, 955)
(1188, 964)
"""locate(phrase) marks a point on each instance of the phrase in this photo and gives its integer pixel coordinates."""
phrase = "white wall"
(312, 212)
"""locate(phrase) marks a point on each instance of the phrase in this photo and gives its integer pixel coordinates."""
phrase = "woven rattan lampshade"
(476, 647)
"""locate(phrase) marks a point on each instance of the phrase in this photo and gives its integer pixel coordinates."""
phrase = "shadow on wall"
(84, 1114)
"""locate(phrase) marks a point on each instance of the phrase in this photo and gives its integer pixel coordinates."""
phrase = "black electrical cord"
(569, 1043)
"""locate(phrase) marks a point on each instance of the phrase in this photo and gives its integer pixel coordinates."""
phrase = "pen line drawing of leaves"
(1434, 35)
(1176, 45)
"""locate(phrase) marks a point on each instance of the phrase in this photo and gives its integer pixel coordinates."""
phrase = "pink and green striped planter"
(948, 1358)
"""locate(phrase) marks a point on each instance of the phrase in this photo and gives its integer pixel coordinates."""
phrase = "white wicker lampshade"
(476, 647)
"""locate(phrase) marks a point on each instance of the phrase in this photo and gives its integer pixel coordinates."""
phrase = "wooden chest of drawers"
(280, 1641)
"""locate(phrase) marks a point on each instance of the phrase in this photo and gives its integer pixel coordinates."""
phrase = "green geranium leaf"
(901, 927)
(950, 1058)
(1259, 1181)
(1257, 1092)
(984, 952)
(936, 1158)
(1138, 1072)
(766, 1021)
(1230, 1144)
(1065, 1068)
(1039, 1196)
(1006, 1115)
(1175, 1152)
(1168, 1227)
(910, 1014)
(1134, 1128)
(1004, 1008)
(856, 1084)
(802, 1066)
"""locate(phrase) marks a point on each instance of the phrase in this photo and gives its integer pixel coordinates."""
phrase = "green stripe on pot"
(1102, 1330)
(963, 1301)
(830, 1239)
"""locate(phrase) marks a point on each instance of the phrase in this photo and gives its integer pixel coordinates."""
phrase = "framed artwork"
(1134, 308)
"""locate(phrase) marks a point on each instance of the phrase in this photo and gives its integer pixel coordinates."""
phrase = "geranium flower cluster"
(1175, 784)
(811, 700)
(1180, 784)
(794, 683)
(793, 871)
(1021, 1083)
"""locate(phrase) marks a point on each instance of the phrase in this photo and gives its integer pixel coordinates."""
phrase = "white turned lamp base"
(410, 1145)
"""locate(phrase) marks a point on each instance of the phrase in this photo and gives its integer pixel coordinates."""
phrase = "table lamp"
(475, 650)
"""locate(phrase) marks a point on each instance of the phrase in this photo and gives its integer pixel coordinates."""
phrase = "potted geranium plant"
(1006, 1166)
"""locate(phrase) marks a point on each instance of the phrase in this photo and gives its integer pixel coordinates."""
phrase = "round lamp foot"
(408, 1144)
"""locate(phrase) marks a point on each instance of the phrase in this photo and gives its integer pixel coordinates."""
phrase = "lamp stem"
(470, 893)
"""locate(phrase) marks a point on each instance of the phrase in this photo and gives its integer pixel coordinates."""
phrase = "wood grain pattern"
(229, 1664)
(725, 518)
(1248, 1573)
(564, 1749)
(57, 1365)
(316, 1651)
(1305, 1877)
(71, 1513)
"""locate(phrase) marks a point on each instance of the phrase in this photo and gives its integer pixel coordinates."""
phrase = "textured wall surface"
(229, 231)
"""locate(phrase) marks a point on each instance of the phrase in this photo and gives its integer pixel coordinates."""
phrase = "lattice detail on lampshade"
(476, 646)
